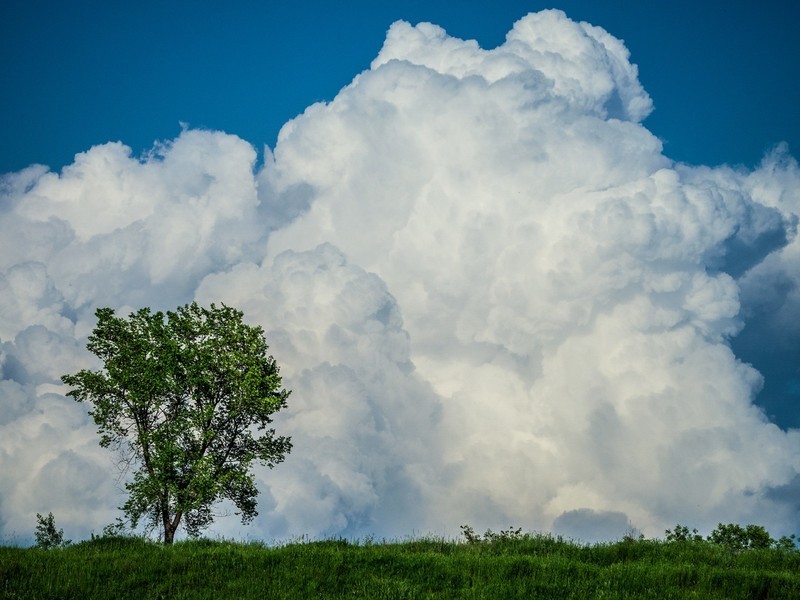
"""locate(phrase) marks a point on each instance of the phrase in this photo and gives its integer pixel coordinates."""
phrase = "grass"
(531, 566)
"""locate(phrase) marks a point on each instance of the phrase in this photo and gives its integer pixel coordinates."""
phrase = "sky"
(83, 73)
(519, 265)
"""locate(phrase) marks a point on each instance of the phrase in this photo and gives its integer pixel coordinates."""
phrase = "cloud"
(496, 301)
(589, 526)
(363, 425)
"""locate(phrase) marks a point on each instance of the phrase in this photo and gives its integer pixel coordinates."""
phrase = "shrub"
(505, 535)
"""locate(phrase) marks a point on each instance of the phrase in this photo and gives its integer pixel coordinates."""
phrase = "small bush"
(490, 537)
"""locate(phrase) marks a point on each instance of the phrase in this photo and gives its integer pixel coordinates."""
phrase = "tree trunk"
(169, 535)
(169, 529)
(170, 526)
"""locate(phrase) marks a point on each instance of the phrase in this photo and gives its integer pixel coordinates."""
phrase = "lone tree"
(187, 398)
(47, 536)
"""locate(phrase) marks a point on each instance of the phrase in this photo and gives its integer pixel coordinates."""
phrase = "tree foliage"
(46, 534)
(681, 533)
(187, 398)
(738, 538)
(490, 537)
(734, 537)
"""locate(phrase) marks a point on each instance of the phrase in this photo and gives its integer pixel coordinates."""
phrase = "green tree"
(758, 537)
(187, 399)
(738, 538)
(46, 534)
(787, 543)
(681, 533)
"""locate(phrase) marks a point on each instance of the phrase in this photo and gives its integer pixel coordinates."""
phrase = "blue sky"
(512, 281)
(82, 73)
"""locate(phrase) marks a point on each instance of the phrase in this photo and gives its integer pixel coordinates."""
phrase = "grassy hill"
(529, 566)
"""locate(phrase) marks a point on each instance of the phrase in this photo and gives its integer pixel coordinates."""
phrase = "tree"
(787, 543)
(46, 534)
(681, 534)
(187, 398)
(739, 538)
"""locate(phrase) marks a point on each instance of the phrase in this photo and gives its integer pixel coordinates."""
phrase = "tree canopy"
(187, 398)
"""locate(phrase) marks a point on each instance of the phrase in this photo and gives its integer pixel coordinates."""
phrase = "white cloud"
(364, 426)
(494, 298)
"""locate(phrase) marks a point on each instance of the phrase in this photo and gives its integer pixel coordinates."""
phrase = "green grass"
(534, 566)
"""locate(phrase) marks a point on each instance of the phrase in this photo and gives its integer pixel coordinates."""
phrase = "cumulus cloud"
(495, 299)
(363, 424)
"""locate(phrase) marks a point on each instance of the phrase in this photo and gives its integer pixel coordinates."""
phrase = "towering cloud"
(495, 300)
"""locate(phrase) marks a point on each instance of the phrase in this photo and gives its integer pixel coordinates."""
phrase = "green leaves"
(733, 537)
(681, 533)
(739, 538)
(182, 395)
(46, 534)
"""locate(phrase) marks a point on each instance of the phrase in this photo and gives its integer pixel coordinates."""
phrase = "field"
(529, 566)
